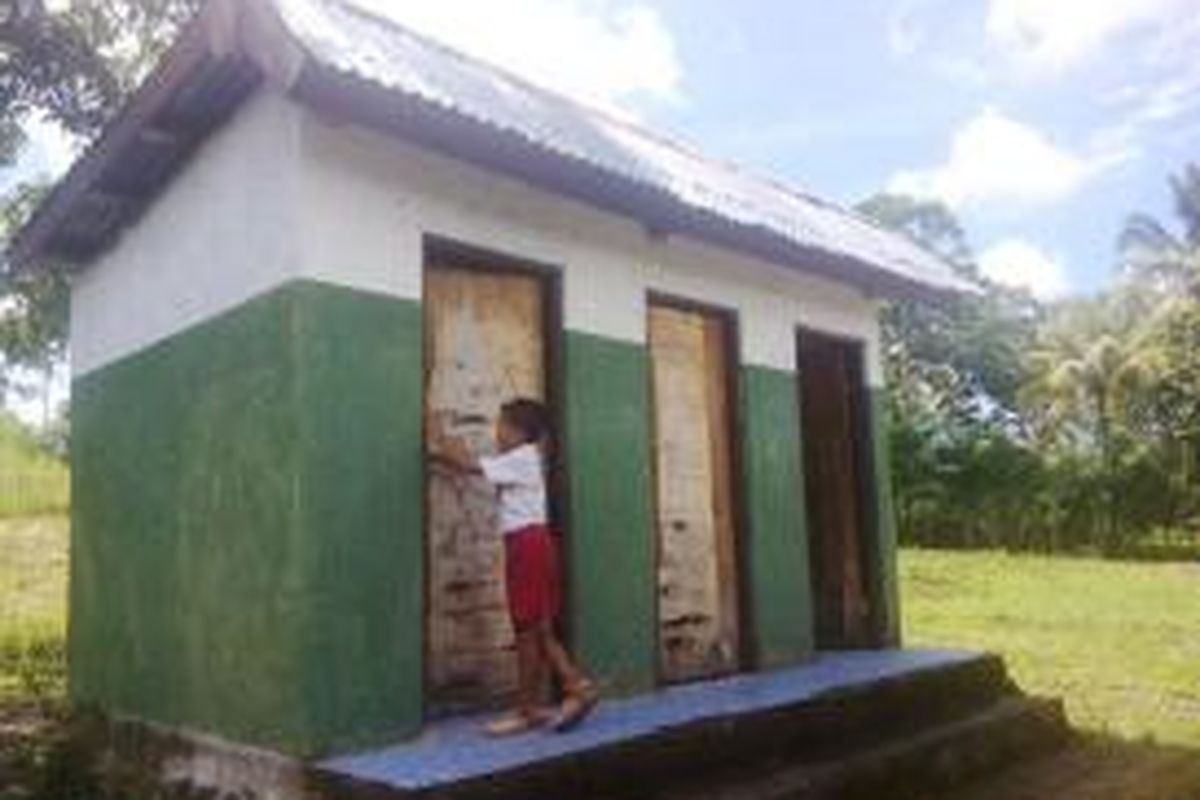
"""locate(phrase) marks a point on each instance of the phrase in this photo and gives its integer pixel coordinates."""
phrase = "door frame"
(746, 654)
(438, 251)
(865, 472)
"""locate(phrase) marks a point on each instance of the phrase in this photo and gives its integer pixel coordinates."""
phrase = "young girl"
(531, 563)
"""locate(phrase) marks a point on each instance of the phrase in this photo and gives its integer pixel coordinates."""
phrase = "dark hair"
(530, 417)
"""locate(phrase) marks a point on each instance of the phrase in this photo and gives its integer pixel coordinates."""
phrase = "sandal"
(516, 722)
(578, 704)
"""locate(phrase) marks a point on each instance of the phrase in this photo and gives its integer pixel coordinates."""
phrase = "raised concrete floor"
(840, 705)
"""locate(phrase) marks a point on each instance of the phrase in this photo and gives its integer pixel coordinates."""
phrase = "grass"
(32, 481)
(33, 607)
(1118, 641)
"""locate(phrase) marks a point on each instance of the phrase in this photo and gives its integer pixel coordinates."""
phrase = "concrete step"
(920, 726)
(937, 758)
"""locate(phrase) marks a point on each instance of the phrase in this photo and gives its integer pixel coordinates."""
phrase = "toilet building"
(309, 229)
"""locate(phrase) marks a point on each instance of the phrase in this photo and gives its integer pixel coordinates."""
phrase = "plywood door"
(484, 345)
(697, 564)
(831, 374)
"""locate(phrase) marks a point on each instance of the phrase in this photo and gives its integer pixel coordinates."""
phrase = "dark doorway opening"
(835, 438)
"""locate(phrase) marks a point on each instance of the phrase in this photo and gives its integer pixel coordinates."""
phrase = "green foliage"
(33, 478)
(1069, 426)
(72, 63)
(33, 607)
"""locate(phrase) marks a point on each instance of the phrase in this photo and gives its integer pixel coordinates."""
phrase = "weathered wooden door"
(484, 344)
(690, 359)
(832, 430)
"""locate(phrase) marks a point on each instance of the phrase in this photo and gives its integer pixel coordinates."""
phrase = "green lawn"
(33, 606)
(1118, 641)
(32, 482)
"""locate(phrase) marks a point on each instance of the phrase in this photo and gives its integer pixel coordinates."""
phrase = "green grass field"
(1118, 641)
(33, 607)
(32, 481)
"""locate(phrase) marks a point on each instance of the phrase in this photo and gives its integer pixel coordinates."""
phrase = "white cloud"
(47, 153)
(1150, 108)
(1057, 33)
(1021, 264)
(603, 51)
(996, 159)
(51, 148)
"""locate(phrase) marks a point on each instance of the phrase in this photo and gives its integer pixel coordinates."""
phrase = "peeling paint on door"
(484, 345)
(697, 565)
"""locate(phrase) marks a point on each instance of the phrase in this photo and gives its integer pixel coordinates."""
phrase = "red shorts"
(531, 576)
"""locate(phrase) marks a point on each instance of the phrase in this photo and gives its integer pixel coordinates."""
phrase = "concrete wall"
(220, 234)
(281, 195)
(248, 546)
(366, 195)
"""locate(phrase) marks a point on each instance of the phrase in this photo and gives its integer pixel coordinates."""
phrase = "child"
(531, 564)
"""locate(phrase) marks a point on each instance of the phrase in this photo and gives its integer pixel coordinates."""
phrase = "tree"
(967, 349)
(1091, 371)
(49, 65)
(1154, 255)
(954, 368)
(74, 66)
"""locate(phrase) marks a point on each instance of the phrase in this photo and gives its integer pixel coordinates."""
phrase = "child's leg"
(580, 696)
(559, 659)
(531, 672)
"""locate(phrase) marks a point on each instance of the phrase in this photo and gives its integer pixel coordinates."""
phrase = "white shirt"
(519, 477)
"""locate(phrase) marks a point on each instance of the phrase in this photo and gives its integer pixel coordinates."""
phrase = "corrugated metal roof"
(334, 55)
(349, 40)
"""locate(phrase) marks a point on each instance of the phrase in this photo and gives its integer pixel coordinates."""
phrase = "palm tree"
(1158, 257)
(1093, 361)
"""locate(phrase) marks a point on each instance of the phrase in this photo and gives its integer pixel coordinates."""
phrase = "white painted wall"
(222, 232)
(281, 193)
(369, 199)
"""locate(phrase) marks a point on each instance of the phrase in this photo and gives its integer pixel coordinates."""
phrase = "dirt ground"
(1096, 769)
(36, 763)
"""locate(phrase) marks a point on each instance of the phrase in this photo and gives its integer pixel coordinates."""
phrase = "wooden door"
(832, 433)
(484, 344)
(698, 632)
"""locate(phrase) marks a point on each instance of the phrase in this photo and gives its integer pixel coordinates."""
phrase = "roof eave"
(197, 85)
(232, 47)
(343, 95)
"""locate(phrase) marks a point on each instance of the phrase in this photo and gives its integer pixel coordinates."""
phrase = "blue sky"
(1043, 123)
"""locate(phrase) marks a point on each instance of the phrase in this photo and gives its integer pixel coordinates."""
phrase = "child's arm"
(449, 451)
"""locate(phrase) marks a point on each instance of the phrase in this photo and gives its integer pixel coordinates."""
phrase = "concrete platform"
(840, 703)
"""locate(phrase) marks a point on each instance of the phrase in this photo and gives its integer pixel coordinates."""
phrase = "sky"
(1041, 123)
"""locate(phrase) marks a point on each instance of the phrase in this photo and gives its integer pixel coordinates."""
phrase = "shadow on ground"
(1095, 767)
(43, 756)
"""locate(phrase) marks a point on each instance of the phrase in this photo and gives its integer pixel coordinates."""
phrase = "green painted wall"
(359, 395)
(246, 524)
(247, 548)
(776, 551)
(187, 568)
(885, 583)
(610, 544)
